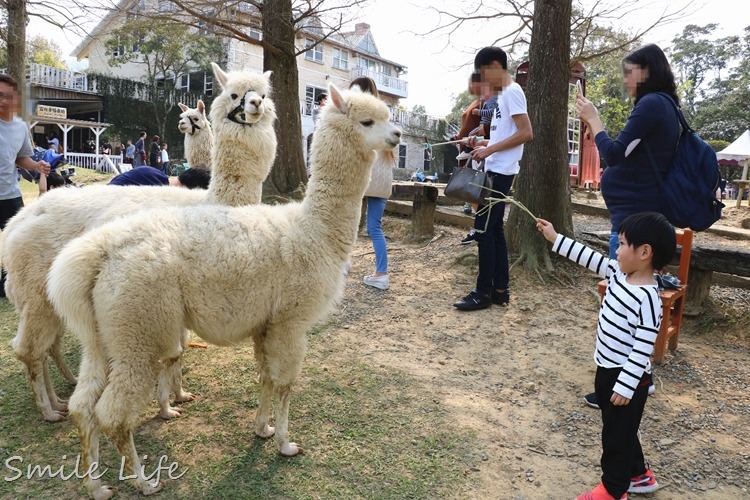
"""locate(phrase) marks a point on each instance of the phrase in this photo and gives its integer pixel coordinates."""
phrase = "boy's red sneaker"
(645, 483)
(599, 493)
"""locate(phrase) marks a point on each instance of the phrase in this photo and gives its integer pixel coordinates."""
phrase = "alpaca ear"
(337, 99)
(201, 106)
(267, 75)
(182, 106)
(221, 77)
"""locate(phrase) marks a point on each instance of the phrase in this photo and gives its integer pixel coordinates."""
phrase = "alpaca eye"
(263, 96)
(367, 123)
(234, 96)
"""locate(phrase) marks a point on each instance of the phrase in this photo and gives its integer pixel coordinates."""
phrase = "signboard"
(51, 111)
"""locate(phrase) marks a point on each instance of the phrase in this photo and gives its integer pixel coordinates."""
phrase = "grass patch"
(85, 176)
(367, 432)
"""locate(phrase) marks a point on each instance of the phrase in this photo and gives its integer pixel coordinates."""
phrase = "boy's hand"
(547, 230)
(618, 400)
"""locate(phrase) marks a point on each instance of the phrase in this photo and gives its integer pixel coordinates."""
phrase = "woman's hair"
(365, 84)
(660, 76)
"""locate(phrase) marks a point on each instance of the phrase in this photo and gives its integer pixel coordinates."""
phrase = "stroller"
(55, 160)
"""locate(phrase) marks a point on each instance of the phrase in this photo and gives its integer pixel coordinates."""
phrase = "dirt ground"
(516, 375)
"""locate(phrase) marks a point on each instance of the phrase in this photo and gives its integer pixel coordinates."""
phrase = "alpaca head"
(245, 98)
(367, 118)
(192, 121)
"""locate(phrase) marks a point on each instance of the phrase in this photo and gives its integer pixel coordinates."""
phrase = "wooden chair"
(673, 301)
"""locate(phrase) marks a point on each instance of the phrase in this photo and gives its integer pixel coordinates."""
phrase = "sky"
(439, 67)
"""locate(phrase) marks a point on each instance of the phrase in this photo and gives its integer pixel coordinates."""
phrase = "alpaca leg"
(262, 428)
(285, 347)
(57, 404)
(131, 380)
(60, 362)
(170, 377)
(82, 411)
(181, 395)
(36, 335)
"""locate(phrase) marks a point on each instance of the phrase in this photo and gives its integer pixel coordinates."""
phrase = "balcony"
(386, 83)
(48, 76)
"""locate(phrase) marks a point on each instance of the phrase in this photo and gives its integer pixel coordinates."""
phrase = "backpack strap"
(685, 128)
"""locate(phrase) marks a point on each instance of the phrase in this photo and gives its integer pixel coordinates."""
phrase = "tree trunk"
(288, 170)
(17, 48)
(543, 183)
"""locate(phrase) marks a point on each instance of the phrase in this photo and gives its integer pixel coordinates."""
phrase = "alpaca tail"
(70, 285)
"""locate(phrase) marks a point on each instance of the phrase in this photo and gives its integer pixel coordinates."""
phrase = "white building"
(338, 58)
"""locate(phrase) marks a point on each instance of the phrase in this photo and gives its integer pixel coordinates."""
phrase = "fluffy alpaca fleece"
(199, 138)
(35, 236)
(268, 273)
(242, 145)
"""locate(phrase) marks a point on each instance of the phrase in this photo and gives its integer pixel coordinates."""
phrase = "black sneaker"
(500, 298)
(473, 301)
(591, 400)
(470, 238)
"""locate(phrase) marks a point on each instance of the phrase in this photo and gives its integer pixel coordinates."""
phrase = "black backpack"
(688, 189)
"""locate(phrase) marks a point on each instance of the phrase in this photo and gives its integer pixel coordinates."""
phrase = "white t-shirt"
(511, 101)
(164, 156)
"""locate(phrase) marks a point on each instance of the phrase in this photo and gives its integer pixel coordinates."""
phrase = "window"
(402, 156)
(368, 64)
(311, 99)
(315, 53)
(208, 84)
(167, 6)
(340, 59)
(255, 33)
(183, 82)
(120, 50)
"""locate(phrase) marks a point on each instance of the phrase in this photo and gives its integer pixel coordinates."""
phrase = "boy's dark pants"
(622, 456)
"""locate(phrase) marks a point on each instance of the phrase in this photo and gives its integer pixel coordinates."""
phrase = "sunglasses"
(6, 96)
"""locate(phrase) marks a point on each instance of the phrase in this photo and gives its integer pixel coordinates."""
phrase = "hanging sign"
(51, 111)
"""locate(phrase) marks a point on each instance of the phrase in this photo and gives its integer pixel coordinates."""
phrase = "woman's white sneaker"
(380, 282)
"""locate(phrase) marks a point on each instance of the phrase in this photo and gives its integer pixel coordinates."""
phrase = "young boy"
(629, 321)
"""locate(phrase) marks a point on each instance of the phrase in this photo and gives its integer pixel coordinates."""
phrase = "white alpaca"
(263, 272)
(35, 236)
(199, 138)
(244, 163)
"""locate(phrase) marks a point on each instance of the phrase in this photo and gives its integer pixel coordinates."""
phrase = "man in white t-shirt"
(509, 130)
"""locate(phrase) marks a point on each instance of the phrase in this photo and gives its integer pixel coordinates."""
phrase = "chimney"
(361, 27)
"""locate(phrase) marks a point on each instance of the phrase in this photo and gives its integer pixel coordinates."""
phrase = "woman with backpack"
(643, 149)
(630, 185)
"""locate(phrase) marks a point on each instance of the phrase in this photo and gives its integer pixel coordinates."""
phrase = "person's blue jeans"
(375, 210)
(493, 249)
(614, 243)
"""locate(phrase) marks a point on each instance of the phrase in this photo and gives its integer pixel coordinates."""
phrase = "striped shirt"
(629, 318)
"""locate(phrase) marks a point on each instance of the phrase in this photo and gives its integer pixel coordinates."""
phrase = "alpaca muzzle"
(239, 111)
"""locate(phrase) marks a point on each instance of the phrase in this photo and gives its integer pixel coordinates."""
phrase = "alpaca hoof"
(151, 488)
(103, 493)
(61, 405)
(171, 412)
(185, 397)
(55, 415)
(290, 449)
(266, 432)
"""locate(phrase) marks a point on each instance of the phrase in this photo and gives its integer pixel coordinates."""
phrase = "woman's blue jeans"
(614, 243)
(375, 209)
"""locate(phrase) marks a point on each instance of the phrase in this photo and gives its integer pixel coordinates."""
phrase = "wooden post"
(424, 201)
(423, 212)
(698, 287)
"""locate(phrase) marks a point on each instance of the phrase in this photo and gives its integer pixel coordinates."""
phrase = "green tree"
(40, 50)
(693, 55)
(166, 50)
(461, 103)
